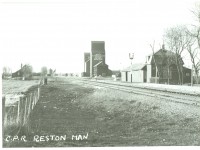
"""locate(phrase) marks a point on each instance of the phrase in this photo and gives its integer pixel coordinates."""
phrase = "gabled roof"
(20, 68)
(187, 68)
(164, 51)
(161, 56)
(161, 52)
(135, 67)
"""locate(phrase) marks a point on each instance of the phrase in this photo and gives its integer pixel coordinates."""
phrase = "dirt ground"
(107, 118)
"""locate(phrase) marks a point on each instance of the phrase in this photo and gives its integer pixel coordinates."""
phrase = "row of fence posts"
(18, 113)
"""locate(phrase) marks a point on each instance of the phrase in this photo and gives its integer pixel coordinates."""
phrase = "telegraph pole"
(192, 76)
(131, 56)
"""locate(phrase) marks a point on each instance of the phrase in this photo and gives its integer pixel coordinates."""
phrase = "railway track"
(164, 95)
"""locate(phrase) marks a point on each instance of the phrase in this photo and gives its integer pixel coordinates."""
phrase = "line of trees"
(26, 72)
(178, 40)
(7, 72)
(194, 47)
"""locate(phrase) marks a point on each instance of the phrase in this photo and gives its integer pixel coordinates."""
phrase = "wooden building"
(134, 73)
(18, 73)
(159, 68)
(25, 72)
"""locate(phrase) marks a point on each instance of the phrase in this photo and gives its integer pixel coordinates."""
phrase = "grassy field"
(17, 86)
(108, 118)
(18, 103)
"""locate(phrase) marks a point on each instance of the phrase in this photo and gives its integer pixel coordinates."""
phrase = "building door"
(144, 76)
(131, 77)
(126, 76)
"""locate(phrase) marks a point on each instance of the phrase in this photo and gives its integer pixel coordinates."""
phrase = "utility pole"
(192, 76)
(131, 56)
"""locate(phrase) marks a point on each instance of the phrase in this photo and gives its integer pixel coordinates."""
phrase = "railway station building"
(158, 68)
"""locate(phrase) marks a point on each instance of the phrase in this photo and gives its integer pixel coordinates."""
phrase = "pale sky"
(56, 33)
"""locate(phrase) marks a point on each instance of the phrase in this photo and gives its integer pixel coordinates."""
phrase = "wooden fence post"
(22, 110)
(38, 93)
(29, 106)
(3, 115)
(32, 102)
(18, 111)
(25, 110)
(35, 100)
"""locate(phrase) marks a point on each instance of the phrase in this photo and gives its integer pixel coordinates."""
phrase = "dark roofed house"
(166, 70)
(19, 74)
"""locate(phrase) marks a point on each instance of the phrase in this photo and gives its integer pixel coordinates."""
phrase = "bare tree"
(194, 48)
(178, 40)
(6, 72)
(153, 56)
(44, 71)
(50, 72)
(27, 71)
(195, 61)
(167, 60)
(162, 63)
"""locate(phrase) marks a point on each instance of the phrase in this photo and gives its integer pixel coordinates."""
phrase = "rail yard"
(83, 112)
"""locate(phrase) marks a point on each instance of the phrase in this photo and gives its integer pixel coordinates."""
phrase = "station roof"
(135, 67)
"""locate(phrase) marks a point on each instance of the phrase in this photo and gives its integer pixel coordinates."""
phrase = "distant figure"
(45, 80)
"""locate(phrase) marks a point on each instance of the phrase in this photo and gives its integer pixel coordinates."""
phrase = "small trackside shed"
(134, 73)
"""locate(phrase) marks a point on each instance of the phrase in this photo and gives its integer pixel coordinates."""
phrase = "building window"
(187, 74)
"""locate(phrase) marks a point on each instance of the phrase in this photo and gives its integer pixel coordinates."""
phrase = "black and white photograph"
(100, 73)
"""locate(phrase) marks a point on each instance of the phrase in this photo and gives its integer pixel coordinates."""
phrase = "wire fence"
(16, 110)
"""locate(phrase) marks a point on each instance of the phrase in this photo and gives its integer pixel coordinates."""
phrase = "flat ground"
(109, 117)
(17, 86)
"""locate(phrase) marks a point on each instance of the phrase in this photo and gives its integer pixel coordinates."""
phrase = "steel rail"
(169, 96)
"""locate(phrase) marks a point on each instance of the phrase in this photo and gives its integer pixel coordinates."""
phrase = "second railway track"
(164, 95)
